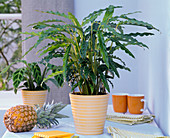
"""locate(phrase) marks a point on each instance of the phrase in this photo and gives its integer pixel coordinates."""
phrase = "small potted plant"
(31, 79)
(88, 50)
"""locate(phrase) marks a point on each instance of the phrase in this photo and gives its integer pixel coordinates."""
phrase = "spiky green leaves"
(48, 114)
(88, 49)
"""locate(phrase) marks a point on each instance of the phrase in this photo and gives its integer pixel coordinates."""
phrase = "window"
(10, 38)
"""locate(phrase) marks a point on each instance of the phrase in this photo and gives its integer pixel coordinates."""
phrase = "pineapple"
(20, 118)
(23, 118)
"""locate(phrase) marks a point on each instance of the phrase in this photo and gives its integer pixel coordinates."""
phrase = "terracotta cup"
(119, 101)
(136, 103)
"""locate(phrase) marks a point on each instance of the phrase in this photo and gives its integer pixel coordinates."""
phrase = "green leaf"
(83, 49)
(110, 83)
(52, 75)
(17, 77)
(7, 68)
(122, 37)
(113, 67)
(55, 13)
(85, 89)
(54, 47)
(46, 21)
(44, 35)
(74, 19)
(102, 68)
(92, 76)
(126, 50)
(121, 66)
(93, 16)
(108, 14)
(104, 80)
(74, 86)
(79, 29)
(59, 79)
(66, 55)
(86, 72)
(80, 83)
(133, 21)
(36, 73)
(115, 57)
(139, 34)
(102, 48)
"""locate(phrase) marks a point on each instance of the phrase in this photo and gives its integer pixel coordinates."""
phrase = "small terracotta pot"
(89, 113)
(34, 97)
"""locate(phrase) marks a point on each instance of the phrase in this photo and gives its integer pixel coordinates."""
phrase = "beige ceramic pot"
(34, 97)
(89, 113)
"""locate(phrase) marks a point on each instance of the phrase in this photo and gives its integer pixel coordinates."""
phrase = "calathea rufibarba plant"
(88, 48)
(31, 76)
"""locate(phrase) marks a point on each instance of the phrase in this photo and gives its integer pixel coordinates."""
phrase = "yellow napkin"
(118, 133)
(129, 119)
(53, 134)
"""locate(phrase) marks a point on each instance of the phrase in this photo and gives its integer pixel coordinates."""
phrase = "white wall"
(149, 71)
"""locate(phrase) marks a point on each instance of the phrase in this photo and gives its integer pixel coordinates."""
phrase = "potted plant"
(89, 58)
(30, 78)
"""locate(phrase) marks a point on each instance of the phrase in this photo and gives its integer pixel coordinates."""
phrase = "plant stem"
(7, 63)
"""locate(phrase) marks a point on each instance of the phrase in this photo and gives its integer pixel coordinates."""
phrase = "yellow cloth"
(118, 133)
(129, 119)
(53, 134)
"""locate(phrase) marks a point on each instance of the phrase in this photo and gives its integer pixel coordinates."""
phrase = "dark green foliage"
(32, 78)
(88, 49)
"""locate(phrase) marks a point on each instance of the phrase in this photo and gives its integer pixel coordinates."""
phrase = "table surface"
(67, 125)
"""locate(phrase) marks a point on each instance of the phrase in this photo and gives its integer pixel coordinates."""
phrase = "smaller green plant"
(32, 77)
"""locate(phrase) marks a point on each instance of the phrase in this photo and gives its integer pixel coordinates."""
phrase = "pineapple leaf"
(48, 114)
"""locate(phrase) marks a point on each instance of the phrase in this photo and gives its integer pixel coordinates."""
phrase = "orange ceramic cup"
(136, 103)
(119, 101)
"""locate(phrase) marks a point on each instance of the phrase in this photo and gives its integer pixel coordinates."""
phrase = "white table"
(67, 125)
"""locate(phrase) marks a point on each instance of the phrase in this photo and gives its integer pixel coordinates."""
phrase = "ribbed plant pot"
(34, 97)
(89, 113)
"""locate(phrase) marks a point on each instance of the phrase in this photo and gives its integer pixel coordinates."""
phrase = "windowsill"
(9, 99)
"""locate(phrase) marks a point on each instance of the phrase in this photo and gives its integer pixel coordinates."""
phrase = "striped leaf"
(65, 60)
(36, 73)
(17, 77)
(102, 48)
